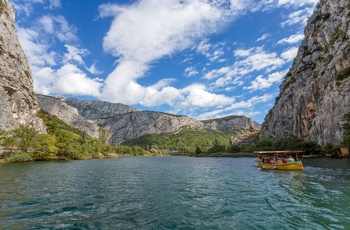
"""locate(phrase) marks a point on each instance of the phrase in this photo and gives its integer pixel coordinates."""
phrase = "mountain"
(125, 122)
(315, 93)
(18, 103)
(95, 109)
(70, 115)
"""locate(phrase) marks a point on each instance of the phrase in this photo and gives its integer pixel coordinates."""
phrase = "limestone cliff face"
(125, 122)
(18, 103)
(137, 124)
(56, 106)
(232, 124)
(95, 109)
(315, 93)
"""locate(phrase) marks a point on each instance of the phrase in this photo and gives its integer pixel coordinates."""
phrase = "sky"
(200, 58)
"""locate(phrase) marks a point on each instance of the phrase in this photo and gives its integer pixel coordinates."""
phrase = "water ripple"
(171, 193)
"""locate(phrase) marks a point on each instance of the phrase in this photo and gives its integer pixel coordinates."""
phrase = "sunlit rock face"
(58, 107)
(315, 93)
(124, 122)
(18, 103)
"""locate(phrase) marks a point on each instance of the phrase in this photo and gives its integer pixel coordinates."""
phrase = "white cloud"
(59, 27)
(147, 30)
(263, 83)
(196, 95)
(290, 54)
(263, 37)
(71, 80)
(298, 17)
(250, 60)
(38, 53)
(297, 2)
(75, 54)
(190, 71)
(295, 38)
(92, 69)
(242, 52)
(210, 51)
(53, 72)
(55, 4)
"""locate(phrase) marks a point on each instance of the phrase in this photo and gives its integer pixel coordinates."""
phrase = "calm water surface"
(174, 193)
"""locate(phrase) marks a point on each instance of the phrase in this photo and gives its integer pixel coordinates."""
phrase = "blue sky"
(200, 58)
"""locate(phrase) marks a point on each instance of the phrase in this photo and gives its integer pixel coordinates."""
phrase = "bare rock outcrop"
(137, 124)
(57, 107)
(96, 109)
(315, 93)
(124, 122)
(18, 103)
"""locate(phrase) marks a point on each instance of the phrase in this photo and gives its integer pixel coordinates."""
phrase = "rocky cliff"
(58, 107)
(125, 122)
(18, 103)
(95, 109)
(136, 124)
(315, 93)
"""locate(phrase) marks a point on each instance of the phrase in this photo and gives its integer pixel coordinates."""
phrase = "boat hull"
(288, 166)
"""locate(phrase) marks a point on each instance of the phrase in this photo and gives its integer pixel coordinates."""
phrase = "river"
(174, 193)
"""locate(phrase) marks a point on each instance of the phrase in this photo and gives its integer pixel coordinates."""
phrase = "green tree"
(346, 130)
(235, 149)
(24, 137)
(103, 135)
(45, 146)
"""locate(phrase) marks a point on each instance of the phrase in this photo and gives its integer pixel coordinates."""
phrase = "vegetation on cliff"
(346, 130)
(186, 142)
(62, 142)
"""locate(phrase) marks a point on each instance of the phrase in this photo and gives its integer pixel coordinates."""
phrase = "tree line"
(64, 142)
(61, 142)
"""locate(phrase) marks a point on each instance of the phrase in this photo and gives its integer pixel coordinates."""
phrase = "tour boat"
(280, 160)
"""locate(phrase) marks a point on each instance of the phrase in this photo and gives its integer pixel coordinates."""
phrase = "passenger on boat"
(270, 161)
(279, 161)
(290, 159)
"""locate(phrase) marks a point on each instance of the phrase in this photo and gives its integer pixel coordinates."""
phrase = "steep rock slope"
(124, 122)
(136, 124)
(315, 93)
(18, 103)
(232, 124)
(56, 106)
(94, 109)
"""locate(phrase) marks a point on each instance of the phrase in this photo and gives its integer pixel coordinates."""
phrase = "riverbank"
(226, 154)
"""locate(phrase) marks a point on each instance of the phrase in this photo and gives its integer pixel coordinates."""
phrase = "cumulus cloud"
(57, 73)
(297, 2)
(211, 51)
(289, 54)
(148, 30)
(263, 83)
(297, 17)
(38, 53)
(59, 27)
(75, 54)
(295, 38)
(248, 61)
(69, 79)
(190, 71)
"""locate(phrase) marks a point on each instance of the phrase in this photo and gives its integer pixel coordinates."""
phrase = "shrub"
(18, 157)
(345, 73)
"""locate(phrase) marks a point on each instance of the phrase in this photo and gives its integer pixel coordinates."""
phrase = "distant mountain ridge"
(124, 122)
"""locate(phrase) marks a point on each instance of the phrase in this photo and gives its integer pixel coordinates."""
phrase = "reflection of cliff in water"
(331, 163)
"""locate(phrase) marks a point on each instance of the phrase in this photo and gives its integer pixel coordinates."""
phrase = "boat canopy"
(280, 152)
